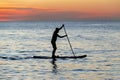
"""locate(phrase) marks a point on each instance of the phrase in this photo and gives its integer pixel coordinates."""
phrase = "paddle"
(69, 42)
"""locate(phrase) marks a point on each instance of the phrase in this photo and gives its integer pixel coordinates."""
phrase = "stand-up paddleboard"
(44, 57)
(62, 57)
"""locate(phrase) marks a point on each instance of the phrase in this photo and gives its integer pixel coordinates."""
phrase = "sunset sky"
(59, 10)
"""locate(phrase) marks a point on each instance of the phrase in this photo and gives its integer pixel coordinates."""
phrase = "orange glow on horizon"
(58, 10)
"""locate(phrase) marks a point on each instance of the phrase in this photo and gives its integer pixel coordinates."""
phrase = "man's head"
(57, 30)
(62, 25)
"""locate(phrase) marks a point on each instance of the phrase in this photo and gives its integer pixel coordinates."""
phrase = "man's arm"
(61, 26)
(61, 36)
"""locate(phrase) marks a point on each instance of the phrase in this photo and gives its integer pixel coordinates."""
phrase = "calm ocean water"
(100, 41)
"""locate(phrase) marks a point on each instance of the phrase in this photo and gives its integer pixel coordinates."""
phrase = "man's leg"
(53, 53)
(54, 50)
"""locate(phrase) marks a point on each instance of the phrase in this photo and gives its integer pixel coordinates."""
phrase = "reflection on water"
(54, 66)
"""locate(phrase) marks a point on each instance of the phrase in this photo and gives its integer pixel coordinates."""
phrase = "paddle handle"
(69, 42)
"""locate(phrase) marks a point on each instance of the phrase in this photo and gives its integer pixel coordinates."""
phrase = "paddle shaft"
(69, 42)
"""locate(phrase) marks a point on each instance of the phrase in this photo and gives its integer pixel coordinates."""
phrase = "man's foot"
(53, 56)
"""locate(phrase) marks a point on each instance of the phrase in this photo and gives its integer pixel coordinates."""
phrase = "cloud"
(56, 15)
(18, 13)
(49, 15)
(25, 8)
(17, 8)
(35, 14)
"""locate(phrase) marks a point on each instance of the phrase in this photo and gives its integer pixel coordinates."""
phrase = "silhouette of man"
(54, 38)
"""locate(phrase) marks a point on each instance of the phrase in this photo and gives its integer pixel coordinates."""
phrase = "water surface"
(100, 41)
